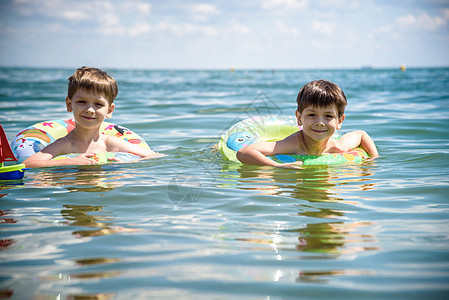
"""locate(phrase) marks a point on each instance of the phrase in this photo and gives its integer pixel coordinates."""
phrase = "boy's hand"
(153, 155)
(294, 165)
(115, 160)
(84, 159)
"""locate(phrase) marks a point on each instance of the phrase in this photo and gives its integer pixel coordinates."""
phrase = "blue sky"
(240, 34)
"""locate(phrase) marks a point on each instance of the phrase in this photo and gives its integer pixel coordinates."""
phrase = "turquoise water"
(193, 225)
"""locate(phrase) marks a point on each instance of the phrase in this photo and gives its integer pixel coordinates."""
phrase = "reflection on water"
(313, 183)
(320, 194)
(34, 248)
(96, 261)
(6, 219)
(335, 238)
(347, 232)
(319, 276)
(10, 184)
(79, 179)
(78, 297)
(91, 216)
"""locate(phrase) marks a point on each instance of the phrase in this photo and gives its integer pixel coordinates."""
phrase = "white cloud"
(327, 28)
(56, 28)
(102, 6)
(240, 29)
(286, 30)
(31, 7)
(404, 26)
(201, 12)
(47, 3)
(284, 4)
(347, 5)
(431, 23)
(405, 21)
(109, 19)
(423, 21)
(236, 29)
(6, 29)
(189, 28)
(110, 25)
(140, 28)
(445, 13)
(74, 15)
(204, 9)
(137, 7)
(112, 31)
(184, 28)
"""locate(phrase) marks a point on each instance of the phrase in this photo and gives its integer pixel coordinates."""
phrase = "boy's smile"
(319, 123)
(89, 109)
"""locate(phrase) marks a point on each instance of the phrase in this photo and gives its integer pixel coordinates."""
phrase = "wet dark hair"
(95, 80)
(321, 93)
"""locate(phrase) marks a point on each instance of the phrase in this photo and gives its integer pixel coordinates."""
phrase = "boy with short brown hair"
(321, 106)
(91, 94)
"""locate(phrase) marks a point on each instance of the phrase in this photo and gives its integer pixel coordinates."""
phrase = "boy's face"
(89, 109)
(320, 123)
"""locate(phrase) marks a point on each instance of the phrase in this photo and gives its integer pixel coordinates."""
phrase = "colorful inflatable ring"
(36, 137)
(275, 128)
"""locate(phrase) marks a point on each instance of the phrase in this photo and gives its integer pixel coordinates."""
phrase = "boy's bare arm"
(40, 160)
(44, 157)
(257, 154)
(118, 145)
(359, 138)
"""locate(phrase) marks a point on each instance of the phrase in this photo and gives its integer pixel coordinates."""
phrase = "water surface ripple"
(193, 225)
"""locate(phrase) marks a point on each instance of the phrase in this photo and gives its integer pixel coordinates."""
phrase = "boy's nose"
(320, 122)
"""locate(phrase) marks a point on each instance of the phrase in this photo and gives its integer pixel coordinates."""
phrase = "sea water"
(194, 225)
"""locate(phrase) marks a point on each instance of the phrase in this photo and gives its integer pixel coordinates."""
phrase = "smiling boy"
(321, 106)
(90, 97)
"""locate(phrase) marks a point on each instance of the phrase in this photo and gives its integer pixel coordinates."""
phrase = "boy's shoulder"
(351, 135)
(291, 143)
(60, 146)
(63, 141)
(292, 138)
